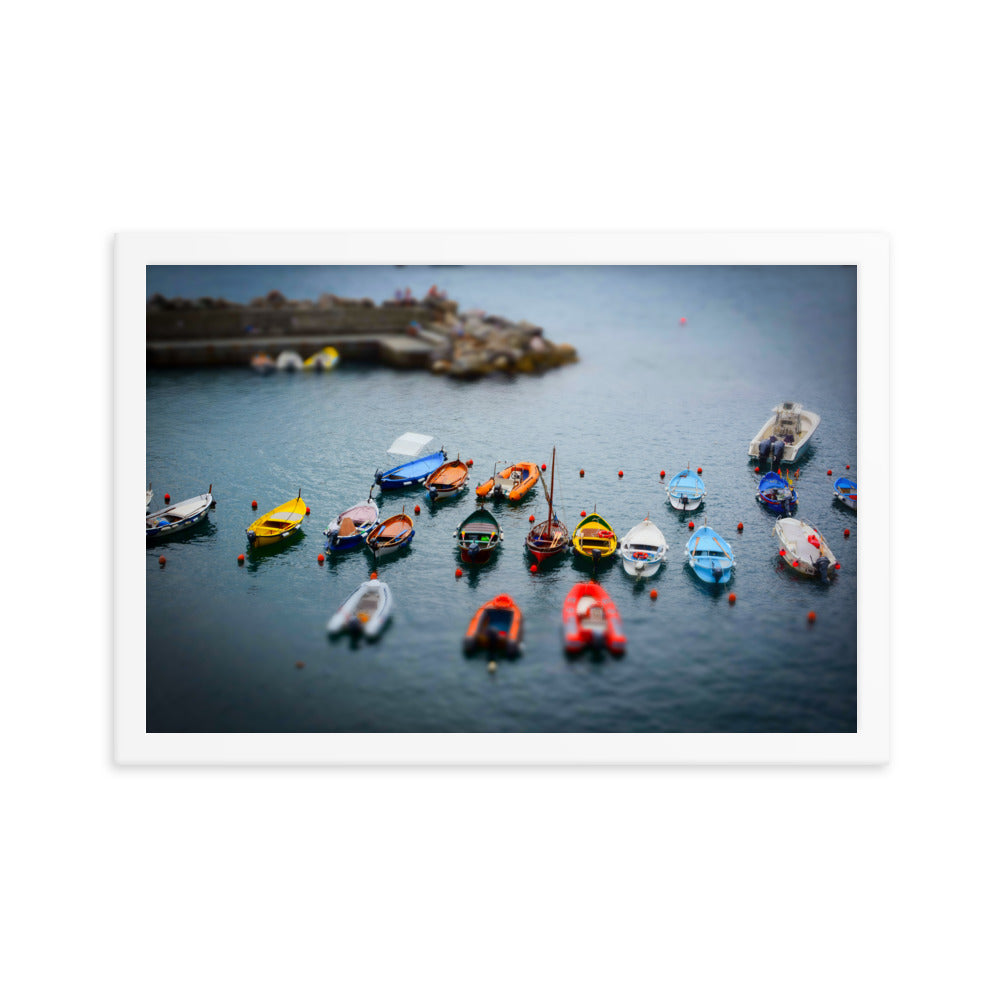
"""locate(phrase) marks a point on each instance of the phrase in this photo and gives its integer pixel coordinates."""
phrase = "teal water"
(649, 393)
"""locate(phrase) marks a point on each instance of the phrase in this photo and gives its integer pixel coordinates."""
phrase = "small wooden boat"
(446, 480)
(495, 626)
(351, 526)
(149, 495)
(478, 535)
(277, 524)
(590, 618)
(178, 516)
(846, 491)
(777, 493)
(804, 548)
(551, 537)
(643, 549)
(785, 435)
(710, 556)
(686, 490)
(263, 364)
(322, 361)
(392, 534)
(289, 361)
(594, 537)
(511, 484)
(366, 611)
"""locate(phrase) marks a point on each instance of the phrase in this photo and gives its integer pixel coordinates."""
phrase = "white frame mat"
(869, 745)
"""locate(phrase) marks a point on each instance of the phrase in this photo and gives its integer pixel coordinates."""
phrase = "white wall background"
(507, 883)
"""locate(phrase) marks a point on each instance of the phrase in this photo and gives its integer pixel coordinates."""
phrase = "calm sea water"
(648, 394)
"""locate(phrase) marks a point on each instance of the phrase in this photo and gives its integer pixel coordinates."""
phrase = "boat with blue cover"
(710, 556)
(686, 490)
(846, 491)
(776, 493)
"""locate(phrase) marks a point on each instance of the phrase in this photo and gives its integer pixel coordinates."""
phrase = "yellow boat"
(322, 361)
(277, 524)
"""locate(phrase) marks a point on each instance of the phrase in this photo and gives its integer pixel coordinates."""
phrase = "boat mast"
(552, 486)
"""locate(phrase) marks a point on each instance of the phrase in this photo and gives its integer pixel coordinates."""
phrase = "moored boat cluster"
(589, 616)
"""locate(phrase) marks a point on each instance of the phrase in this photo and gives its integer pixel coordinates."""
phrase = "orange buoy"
(756, 468)
(683, 320)
(299, 664)
(653, 595)
(620, 473)
(581, 473)
(533, 568)
(847, 532)
(699, 470)
(240, 558)
(811, 616)
(690, 525)
(253, 505)
(739, 527)
(531, 519)
(732, 598)
(416, 509)
(663, 474)
(458, 572)
(373, 576)
(163, 560)
(166, 498)
(320, 558)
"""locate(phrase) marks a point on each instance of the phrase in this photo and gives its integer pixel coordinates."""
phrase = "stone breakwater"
(431, 333)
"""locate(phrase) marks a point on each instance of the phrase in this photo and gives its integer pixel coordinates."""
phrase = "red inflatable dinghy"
(591, 619)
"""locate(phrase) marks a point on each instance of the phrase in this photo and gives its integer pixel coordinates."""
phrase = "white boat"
(366, 611)
(785, 435)
(178, 516)
(643, 549)
(289, 361)
(804, 548)
(149, 495)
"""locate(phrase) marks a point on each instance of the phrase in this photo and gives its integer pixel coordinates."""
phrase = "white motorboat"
(366, 611)
(785, 435)
(289, 361)
(643, 549)
(804, 548)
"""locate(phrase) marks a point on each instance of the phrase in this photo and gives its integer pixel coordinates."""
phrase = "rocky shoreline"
(431, 333)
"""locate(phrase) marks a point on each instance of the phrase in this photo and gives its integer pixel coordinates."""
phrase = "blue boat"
(710, 556)
(349, 530)
(686, 491)
(846, 491)
(777, 493)
(410, 473)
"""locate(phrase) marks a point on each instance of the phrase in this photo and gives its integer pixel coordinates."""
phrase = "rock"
(275, 299)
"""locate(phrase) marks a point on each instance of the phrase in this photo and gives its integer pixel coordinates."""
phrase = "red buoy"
(531, 519)
(253, 505)
(836, 565)
(781, 552)
(739, 527)
(240, 558)
(458, 572)
(846, 466)
(373, 576)
(416, 509)
(544, 466)
(620, 473)
(690, 525)
(299, 664)
(163, 560)
(533, 568)
(699, 470)
(308, 511)
(847, 532)
(166, 498)
(811, 616)
(732, 598)
(320, 558)
(653, 595)
(663, 474)
(756, 468)
(583, 513)
(795, 563)
(829, 472)
(469, 463)
(581, 473)
(683, 320)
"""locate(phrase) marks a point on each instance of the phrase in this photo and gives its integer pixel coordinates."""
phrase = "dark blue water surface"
(648, 393)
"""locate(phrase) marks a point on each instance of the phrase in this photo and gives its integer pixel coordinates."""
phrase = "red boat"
(591, 619)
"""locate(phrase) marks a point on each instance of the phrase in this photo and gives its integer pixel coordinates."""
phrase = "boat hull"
(276, 525)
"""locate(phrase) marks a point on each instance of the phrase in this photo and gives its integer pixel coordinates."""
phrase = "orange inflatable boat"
(512, 483)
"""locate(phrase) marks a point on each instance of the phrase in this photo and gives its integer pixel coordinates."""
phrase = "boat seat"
(347, 527)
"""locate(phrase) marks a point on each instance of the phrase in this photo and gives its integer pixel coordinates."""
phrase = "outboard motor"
(764, 449)
(778, 449)
(822, 565)
(787, 505)
(717, 573)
